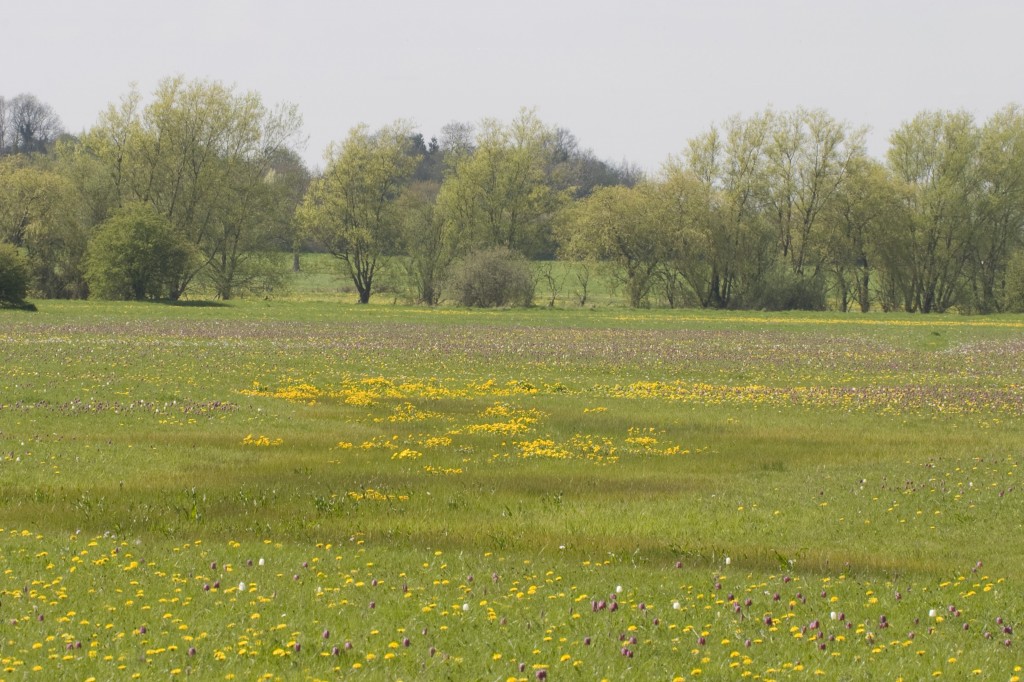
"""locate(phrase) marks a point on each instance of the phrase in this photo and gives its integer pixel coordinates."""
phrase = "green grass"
(321, 277)
(478, 481)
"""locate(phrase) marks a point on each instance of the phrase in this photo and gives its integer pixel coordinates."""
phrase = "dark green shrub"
(1014, 297)
(783, 289)
(492, 278)
(135, 255)
(14, 278)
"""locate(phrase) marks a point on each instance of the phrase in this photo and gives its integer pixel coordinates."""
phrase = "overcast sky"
(633, 81)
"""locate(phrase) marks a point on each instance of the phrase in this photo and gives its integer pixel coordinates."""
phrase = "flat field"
(313, 490)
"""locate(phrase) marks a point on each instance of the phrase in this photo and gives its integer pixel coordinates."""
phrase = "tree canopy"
(779, 209)
(352, 211)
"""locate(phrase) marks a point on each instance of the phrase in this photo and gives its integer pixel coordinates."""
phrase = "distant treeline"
(198, 189)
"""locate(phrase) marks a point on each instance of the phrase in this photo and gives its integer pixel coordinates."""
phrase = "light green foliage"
(498, 193)
(1000, 208)
(427, 240)
(862, 247)
(137, 254)
(40, 209)
(808, 157)
(201, 155)
(934, 156)
(733, 244)
(759, 225)
(353, 211)
(625, 226)
(31, 194)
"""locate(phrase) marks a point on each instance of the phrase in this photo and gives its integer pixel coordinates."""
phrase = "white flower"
(261, 562)
(676, 605)
(932, 613)
(465, 607)
(241, 587)
(618, 589)
(834, 615)
(728, 561)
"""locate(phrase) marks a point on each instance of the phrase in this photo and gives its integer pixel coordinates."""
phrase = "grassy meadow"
(310, 489)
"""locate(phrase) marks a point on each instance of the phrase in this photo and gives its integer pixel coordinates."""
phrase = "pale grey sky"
(633, 81)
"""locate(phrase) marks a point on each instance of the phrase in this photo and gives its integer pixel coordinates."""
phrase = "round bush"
(135, 255)
(493, 278)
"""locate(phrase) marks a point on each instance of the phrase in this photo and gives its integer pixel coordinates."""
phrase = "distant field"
(320, 277)
(308, 489)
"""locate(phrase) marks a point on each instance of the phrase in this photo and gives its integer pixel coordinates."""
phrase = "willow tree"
(626, 227)
(200, 154)
(934, 157)
(40, 210)
(353, 211)
(864, 254)
(732, 242)
(1000, 208)
(808, 157)
(498, 192)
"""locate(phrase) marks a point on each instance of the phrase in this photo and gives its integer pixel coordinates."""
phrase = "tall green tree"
(200, 155)
(353, 211)
(626, 227)
(426, 240)
(999, 209)
(733, 245)
(860, 240)
(41, 210)
(498, 193)
(808, 157)
(935, 157)
(29, 193)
